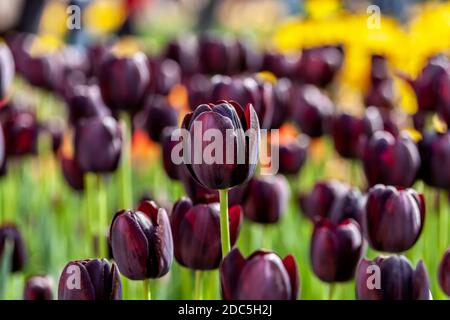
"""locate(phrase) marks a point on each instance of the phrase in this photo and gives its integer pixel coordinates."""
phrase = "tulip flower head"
(10, 234)
(38, 288)
(262, 276)
(444, 273)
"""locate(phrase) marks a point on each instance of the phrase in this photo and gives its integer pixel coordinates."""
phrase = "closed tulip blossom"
(381, 90)
(158, 114)
(6, 72)
(38, 288)
(10, 234)
(165, 73)
(336, 249)
(390, 160)
(98, 144)
(196, 233)
(281, 65)
(392, 278)
(184, 50)
(395, 218)
(141, 241)
(91, 279)
(311, 110)
(223, 172)
(199, 88)
(351, 205)
(281, 102)
(434, 151)
(267, 199)
(72, 173)
(444, 273)
(167, 145)
(293, 154)
(123, 80)
(262, 276)
(218, 55)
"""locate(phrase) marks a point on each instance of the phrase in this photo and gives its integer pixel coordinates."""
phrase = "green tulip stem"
(267, 236)
(102, 219)
(224, 225)
(90, 185)
(331, 291)
(198, 285)
(125, 163)
(147, 290)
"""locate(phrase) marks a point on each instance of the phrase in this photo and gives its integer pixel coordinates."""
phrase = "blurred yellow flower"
(103, 16)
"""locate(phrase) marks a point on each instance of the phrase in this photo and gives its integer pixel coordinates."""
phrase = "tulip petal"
(235, 219)
(230, 270)
(292, 270)
(421, 285)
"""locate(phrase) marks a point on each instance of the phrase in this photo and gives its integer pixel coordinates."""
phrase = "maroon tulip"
(319, 202)
(86, 102)
(434, 151)
(392, 278)
(98, 144)
(38, 288)
(6, 72)
(250, 60)
(72, 173)
(42, 71)
(141, 242)
(381, 91)
(279, 64)
(319, 65)
(223, 173)
(124, 80)
(267, 199)
(184, 50)
(199, 89)
(218, 55)
(165, 73)
(444, 273)
(292, 155)
(90, 279)
(281, 102)
(311, 110)
(262, 276)
(10, 233)
(336, 249)
(167, 145)
(350, 205)
(96, 52)
(389, 160)
(395, 218)
(159, 114)
(20, 129)
(196, 233)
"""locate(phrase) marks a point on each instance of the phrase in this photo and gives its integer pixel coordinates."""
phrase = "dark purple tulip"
(42, 71)
(159, 114)
(124, 80)
(318, 203)
(98, 144)
(398, 280)
(184, 50)
(281, 65)
(141, 242)
(319, 65)
(11, 233)
(72, 173)
(250, 60)
(86, 102)
(91, 279)
(292, 155)
(38, 288)
(199, 89)
(281, 102)
(444, 273)
(381, 90)
(311, 110)
(218, 55)
(262, 276)
(389, 160)
(395, 218)
(20, 129)
(196, 233)
(349, 206)
(165, 73)
(95, 53)
(167, 145)
(267, 199)
(336, 249)
(224, 116)
(347, 132)
(6, 71)
(434, 151)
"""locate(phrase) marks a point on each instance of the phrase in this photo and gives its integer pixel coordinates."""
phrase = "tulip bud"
(434, 151)
(10, 234)
(167, 145)
(199, 89)
(281, 102)
(86, 102)
(38, 288)
(218, 55)
(196, 233)
(98, 144)
(292, 155)
(395, 218)
(141, 242)
(184, 51)
(91, 279)
(72, 173)
(311, 110)
(267, 199)
(279, 64)
(350, 205)
(124, 80)
(336, 249)
(392, 278)
(381, 90)
(389, 160)
(250, 60)
(6, 71)
(220, 172)
(262, 276)
(444, 273)
(165, 73)
(159, 114)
